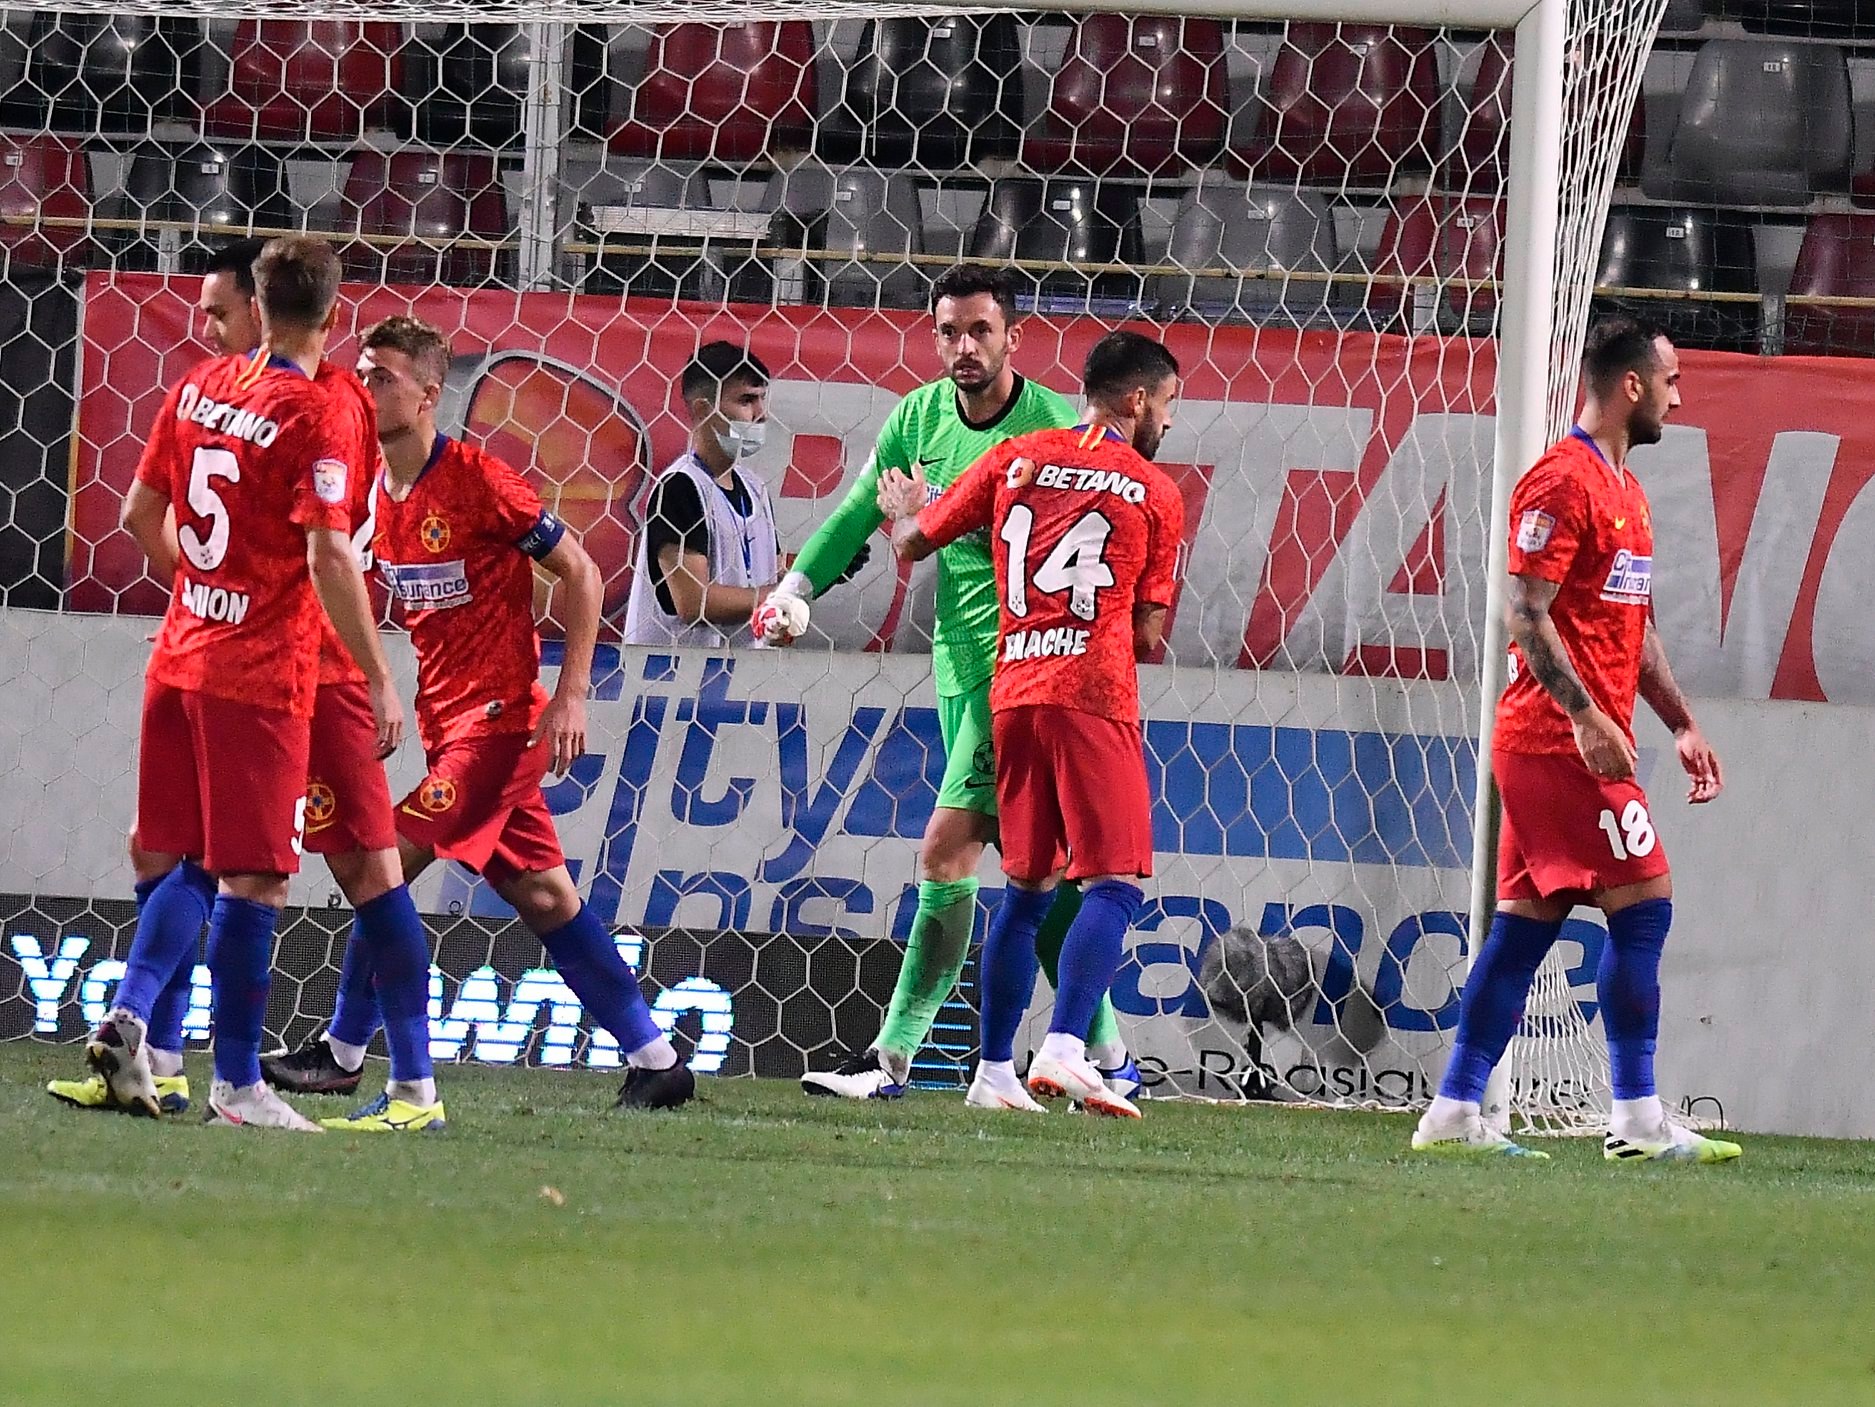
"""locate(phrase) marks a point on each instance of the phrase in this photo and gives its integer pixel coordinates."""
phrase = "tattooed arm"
(1604, 746)
(1663, 696)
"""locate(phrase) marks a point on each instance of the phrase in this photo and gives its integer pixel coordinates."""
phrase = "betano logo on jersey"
(225, 419)
(1068, 476)
(427, 586)
(1630, 580)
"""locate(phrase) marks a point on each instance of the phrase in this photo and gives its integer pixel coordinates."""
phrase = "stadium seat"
(20, 104)
(1762, 122)
(1346, 105)
(1270, 231)
(1837, 260)
(1063, 221)
(309, 81)
(42, 177)
(1138, 95)
(874, 213)
(472, 80)
(219, 191)
(430, 199)
(618, 183)
(730, 93)
(97, 73)
(1814, 19)
(1681, 252)
(1442, 238)
(1480, 162)
(929, 92)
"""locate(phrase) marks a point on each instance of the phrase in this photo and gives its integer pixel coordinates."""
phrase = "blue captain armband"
(540, 540)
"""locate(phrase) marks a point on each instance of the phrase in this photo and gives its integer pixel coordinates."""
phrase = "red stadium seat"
(1442, 238)
(1480, 165)
(314, 81)
(42, 178)
(1837, 260)
(1136, 95)
(1347, 104)
(432, 199)
(723, 93)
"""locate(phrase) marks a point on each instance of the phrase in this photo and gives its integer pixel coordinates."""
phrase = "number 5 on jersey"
(207, 466)
(1074, 566)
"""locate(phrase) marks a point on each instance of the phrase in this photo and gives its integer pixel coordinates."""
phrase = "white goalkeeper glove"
(781, 619)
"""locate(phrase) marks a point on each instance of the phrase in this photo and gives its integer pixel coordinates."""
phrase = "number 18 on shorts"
(1565, 830)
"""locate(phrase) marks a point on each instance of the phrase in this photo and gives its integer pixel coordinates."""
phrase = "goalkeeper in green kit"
(936, 433)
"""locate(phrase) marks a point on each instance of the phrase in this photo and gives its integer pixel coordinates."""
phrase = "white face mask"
(742, 438)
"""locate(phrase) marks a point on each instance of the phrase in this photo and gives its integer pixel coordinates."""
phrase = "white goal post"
(1573, 86)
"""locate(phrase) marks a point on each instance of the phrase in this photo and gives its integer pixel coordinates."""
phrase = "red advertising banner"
(1334, 482)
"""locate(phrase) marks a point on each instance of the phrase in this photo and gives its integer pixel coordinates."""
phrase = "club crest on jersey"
(436, 795)
(1630, 580)
(1534, 529)
(435, 533)
(328, 480)
(321, 806)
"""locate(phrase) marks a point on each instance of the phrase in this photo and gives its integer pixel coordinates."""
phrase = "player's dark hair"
(425, 345)
(968, 280)
(1614, 347)
(296, 280)
(237, 258)
(715, 365)
(1124, 362)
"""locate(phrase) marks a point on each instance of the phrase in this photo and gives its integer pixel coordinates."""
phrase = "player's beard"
(1147, 439)
(1645, 428)
(977, 375)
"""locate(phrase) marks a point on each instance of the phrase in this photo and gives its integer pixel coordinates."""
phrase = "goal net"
(1319, 211)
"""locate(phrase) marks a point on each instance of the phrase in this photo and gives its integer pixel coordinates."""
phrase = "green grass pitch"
(759, 1248)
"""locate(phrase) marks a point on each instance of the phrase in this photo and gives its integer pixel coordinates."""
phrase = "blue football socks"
(1627, 982)
(355, 1016)
(604, 982)
(388, 926)
(1090, 954)
(169, 925)
(1006, 972)
(240, 959)
(1495, 992)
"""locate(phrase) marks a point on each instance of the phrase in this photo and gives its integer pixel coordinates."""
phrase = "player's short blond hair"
(425, 345)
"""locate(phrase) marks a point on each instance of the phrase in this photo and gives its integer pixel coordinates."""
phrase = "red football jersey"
(247, 451)
(353, 405)
(1082, 528)
(456, 553)
(1577, 521)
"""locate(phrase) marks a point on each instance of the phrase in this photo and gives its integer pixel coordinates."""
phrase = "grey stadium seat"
(1269, 230)
(1762, 122)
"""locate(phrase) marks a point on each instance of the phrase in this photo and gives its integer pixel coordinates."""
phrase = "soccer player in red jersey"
(258, 466)
(348, 811)
(1576, 826)
(1085, 535)
(458, 535)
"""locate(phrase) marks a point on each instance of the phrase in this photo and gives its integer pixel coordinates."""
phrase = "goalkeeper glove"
(779, 620)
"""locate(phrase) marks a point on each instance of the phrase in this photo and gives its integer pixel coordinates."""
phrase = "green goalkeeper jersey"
(926, 431)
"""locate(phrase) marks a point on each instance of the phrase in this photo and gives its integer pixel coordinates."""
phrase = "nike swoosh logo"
(972, 784)
(1621, 522)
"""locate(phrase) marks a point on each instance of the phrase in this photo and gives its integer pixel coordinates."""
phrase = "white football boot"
(989, 1092)
(255, 1106)
(1470, 1138)
(1670, 1144)
(1056, 1077)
